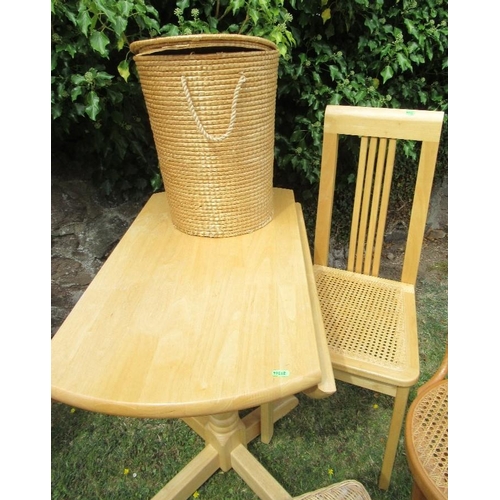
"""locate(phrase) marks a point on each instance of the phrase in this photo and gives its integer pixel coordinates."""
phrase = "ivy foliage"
(383, 53)
(99, 122)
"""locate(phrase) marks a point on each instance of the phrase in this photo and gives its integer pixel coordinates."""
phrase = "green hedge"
(358, 52)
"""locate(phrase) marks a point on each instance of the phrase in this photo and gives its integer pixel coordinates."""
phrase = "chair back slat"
(359, 210)
(369, 257)
(379, 130)
(384, 205)
(365, 204)
(371, 201)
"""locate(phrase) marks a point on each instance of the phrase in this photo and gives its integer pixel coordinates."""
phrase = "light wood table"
(179, 326)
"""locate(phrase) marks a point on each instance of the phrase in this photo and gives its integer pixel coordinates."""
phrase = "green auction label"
(281, 373)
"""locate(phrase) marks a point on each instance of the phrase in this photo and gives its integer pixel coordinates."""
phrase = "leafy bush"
(267, 19)
(100, 125)
(385, 53)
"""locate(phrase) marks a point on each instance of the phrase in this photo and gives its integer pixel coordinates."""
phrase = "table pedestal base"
(226, 436)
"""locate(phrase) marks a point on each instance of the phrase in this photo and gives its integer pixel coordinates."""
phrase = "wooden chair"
(426, 437)
(370, 322)
(345, 490)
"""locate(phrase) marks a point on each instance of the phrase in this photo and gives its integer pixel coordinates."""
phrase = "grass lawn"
(321, 441)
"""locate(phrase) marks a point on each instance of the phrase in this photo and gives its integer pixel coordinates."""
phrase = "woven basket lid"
(192, 42)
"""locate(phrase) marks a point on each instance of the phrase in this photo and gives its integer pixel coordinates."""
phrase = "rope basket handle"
(196, 118)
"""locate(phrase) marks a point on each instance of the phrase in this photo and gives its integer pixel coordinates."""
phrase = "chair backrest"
(379, 129)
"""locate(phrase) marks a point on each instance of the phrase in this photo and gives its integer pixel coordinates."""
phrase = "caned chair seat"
(426, 437)
(351, 301)
(345, 490)
(429, 427)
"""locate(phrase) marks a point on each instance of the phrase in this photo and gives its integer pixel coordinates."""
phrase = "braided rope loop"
(194, 114)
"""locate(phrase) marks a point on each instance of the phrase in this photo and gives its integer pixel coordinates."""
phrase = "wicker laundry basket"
(211, 101)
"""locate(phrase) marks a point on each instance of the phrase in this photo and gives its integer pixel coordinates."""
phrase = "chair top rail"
(418, 125)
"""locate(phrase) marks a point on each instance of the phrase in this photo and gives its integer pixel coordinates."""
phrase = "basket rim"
(183, 42)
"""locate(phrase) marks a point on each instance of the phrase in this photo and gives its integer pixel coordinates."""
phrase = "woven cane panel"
(430, 435)
(213, 118)
(346, 490)
(363, 316)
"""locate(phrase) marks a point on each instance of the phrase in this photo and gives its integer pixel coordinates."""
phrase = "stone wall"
(85, 230)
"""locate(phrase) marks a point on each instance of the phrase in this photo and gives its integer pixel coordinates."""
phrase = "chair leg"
(391, 446)
(416, 492)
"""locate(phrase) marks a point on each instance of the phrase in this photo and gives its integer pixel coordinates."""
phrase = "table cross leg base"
(256, 476)
(191, 477)
(226, 436)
